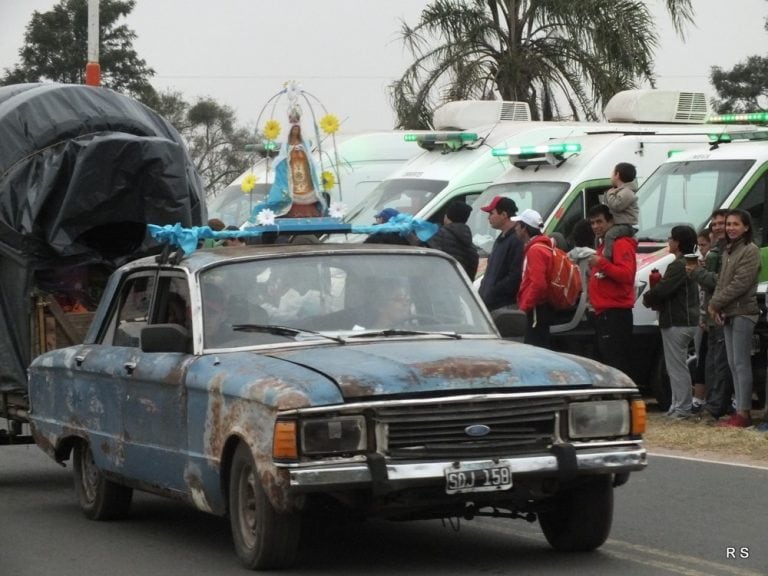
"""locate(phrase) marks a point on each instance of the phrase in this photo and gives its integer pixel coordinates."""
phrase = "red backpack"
(563, 279)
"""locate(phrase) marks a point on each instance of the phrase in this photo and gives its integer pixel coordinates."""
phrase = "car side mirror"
(165, 338)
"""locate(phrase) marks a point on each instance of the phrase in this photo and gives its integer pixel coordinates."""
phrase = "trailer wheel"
(263, 537)
(100, 499)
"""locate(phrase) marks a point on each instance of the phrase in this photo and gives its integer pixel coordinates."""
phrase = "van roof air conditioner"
(658, 106)
(466, 114)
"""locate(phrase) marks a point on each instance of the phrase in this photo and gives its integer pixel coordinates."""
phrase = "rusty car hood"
(406, 367)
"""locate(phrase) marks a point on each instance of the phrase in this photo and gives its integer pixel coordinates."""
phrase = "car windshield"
(685, 192)
(541, 196)
(297, 298)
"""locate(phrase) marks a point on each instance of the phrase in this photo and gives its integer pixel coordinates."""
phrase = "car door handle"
(79, 360)
(129, 367)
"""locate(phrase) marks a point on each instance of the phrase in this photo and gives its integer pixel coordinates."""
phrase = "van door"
(575, 208)
(752, 199)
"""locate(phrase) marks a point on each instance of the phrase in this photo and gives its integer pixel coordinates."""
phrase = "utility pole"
(93, 68)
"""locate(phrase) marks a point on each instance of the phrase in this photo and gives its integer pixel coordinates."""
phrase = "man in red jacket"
(532, 296)
(612, 291)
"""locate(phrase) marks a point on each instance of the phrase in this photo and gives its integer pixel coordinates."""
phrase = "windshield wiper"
(399, 332)
(649, 239)
(283, 331)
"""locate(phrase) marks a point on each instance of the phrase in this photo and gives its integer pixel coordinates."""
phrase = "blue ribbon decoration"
(188, 238)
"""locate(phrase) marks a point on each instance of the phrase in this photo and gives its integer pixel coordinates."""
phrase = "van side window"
(754, 203)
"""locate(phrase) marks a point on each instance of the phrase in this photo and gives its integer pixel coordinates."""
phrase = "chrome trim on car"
(620, 459)
(560, 393)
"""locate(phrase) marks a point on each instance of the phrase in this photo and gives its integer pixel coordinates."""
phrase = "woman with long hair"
(734, 306)
(676, 298)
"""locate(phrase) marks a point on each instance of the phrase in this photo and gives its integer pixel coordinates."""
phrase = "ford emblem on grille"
(477, 430)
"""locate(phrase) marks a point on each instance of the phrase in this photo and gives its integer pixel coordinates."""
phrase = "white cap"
(529, 217)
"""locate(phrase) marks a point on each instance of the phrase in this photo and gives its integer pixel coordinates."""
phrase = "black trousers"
(537, 326)
(613, 328)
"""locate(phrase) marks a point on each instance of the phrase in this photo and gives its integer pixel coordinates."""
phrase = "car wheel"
(100, 499)
(580, 518)
(263, 537)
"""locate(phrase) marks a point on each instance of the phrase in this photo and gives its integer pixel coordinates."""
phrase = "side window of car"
(133, 311)
(173, 305)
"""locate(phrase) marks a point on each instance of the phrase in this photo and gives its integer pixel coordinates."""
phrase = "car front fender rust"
(252, 422)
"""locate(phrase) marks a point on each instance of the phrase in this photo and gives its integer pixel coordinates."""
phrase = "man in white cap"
(532, 297)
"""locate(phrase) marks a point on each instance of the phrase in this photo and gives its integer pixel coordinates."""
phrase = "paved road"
(678, 517)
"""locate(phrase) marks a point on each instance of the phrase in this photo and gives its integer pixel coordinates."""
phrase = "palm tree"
(564, 57)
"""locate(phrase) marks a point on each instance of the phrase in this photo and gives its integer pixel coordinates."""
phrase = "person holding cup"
(676, 298)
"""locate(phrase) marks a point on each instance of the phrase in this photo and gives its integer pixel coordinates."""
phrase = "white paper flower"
(337, 210)
(266, 217)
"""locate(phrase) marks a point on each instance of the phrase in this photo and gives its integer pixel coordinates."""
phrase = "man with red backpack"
(533, 296)
(612, 290)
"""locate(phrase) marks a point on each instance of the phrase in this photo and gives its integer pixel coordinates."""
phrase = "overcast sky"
(346, 52)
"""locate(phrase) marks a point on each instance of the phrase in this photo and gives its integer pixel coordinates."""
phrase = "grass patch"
(694, 436)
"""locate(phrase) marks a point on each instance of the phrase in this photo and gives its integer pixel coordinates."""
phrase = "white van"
(562, 178)
(456, 162)
(359, 162)
(685, 190)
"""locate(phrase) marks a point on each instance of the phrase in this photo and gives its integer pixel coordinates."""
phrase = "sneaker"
(696, 407)
(762, 427)
(735, 421)
(676, 415)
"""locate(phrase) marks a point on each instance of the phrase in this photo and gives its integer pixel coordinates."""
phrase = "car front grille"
(440, 430)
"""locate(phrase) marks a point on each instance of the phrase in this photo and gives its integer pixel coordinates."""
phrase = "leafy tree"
(744, 88)
(56, 49)
(563, 58)
(215, 143)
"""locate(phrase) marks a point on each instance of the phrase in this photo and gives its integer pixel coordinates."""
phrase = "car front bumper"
(564, 463)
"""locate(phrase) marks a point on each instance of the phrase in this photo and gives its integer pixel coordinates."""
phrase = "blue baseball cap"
(386, 214)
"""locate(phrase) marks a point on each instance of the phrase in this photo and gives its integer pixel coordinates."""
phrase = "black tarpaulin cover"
(82, 171)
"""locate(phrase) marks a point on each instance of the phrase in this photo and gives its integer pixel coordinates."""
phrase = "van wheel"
(100, 499)
(263, 537)
(580, 518)
(658, 383)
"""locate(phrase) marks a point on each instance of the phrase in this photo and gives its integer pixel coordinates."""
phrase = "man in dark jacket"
(455, 238)
(505, 264)
(717, 373)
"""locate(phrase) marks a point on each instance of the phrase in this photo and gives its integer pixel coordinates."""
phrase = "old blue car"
(265, 382)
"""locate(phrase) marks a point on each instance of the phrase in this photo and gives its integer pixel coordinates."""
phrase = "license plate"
(478, 477)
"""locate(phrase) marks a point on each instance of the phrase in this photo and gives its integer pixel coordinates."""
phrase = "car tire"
(263, 537)
(100, 499)
(580, 518)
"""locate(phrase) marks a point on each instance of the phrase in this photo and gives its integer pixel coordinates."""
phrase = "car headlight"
(343, 434)
(597, 419)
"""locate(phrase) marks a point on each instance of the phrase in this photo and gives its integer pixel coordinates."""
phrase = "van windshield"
(541, 196)
(685, 192)
(407, 195)
(233, 206)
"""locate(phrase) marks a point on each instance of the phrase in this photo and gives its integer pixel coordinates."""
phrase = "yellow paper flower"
(329, 180)
(329, 123)
(248, 183)
(271, 129)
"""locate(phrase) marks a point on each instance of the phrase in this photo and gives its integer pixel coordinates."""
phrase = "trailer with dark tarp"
(83, 170)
